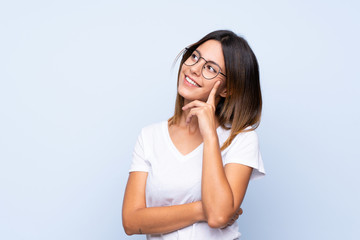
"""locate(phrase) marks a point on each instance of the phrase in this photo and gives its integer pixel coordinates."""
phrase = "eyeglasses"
(209, 70)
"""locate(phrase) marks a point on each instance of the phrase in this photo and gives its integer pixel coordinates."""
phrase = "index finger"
(211, 98)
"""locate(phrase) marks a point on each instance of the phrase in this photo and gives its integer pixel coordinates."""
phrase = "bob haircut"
(241, 108)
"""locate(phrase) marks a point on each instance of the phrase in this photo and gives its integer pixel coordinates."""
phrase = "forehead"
(211, 50)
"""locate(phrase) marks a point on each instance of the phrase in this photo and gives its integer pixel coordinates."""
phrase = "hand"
(204, 111)
(234, 218)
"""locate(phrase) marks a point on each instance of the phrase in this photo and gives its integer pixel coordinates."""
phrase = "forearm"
(154, 220)
(217, 196)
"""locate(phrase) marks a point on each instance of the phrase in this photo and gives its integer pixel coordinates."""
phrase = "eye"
(194, 57)
(210, 68)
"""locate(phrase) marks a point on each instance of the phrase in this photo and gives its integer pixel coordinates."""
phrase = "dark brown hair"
(241, 108)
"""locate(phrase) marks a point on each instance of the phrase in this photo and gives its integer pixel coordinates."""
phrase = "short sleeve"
(139, 161)
(244, 149)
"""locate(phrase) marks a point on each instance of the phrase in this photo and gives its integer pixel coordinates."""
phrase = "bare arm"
(138, 219)
(223, 188)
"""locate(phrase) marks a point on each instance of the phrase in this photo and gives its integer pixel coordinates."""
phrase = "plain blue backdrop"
(79, 79)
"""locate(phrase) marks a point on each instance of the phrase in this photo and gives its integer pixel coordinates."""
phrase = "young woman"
(189, 174)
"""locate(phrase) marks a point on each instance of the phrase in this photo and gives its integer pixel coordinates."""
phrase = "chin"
(190, 97)
(185, 95)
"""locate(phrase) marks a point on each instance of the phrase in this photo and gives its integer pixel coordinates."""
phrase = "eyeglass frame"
(187, 49)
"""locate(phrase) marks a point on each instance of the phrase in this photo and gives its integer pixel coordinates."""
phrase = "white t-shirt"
(174, 178)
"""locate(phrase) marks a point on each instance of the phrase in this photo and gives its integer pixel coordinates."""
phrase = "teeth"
(191, 81)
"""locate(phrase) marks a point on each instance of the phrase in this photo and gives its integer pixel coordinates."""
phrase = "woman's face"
(192, 84)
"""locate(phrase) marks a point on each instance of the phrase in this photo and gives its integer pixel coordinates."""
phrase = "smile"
(193, 83)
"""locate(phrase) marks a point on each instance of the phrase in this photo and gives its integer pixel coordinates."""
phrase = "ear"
(223, 93)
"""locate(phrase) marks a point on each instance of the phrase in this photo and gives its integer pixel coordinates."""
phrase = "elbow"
(128, 232)
(128, 229)
(218, 218)
(131, 223)
(129, 226)
(218, 221)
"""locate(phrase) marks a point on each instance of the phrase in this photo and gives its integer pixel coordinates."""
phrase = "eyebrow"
(209, 60)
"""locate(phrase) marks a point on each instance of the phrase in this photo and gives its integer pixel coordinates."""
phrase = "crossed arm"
(223, 189)
(138, 219)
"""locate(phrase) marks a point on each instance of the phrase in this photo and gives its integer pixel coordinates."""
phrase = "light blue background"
(79, 79)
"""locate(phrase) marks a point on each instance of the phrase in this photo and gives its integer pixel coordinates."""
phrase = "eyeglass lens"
(209, 70)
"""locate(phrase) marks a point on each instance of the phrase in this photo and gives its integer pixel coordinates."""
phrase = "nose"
(197, 67)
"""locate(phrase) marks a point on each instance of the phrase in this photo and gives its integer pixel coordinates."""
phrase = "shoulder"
(248, 136)
(154, 126)
(245, 150)
(153, 129)
(246, 140)
(150, 134)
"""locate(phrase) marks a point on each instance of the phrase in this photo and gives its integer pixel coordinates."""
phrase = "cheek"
(180, 76)
(205, 94)
(180, 80)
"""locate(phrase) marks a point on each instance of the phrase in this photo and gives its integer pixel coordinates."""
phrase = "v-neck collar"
(174, 148)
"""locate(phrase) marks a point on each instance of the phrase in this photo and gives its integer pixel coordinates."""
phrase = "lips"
(191, 81)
